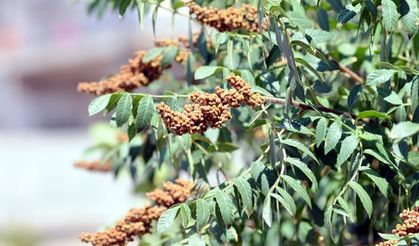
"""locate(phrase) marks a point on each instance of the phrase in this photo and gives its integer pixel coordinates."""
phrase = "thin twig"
(304, 106)
(160, 96)
(169, 10)
(350, 73)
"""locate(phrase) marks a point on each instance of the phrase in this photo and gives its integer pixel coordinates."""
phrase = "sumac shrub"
(295, 123)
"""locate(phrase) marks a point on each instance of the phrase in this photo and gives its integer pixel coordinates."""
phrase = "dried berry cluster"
(183, 44)
(95, 166)
(209, 109)
(409, 226)
(172, 193)
(229, 19)
(138, 220)
(182, 41)
(134, 74)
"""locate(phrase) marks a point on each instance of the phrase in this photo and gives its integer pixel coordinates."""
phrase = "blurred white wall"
(46, 48)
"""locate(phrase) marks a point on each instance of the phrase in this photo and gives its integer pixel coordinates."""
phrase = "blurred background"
(46, 48)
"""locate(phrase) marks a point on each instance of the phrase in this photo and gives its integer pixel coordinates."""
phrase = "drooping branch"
(305, 107)
(351, 73)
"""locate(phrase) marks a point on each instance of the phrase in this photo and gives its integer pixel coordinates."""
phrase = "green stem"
(159, 96)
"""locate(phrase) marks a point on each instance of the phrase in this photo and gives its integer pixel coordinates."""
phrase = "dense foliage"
(297, 121)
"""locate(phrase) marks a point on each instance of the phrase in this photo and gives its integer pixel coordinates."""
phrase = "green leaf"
(414, 94)
(363, 196)
(372, 114)
(123, 109)
(380, 76)
(323, 19)
(333, 136)
(267, 211)
(167, 219)
(140, 11)
(404, 130)
(230, 54)
(169, 55)
(221, 38)
(186, 214)
(377, 156)
(368, 136)
(410, 14)
(405, 69)
(223, 147)
(300, 146)
(345, 206)
(381, 183)
(123, 5)
(339, 211)
(154, 19)
(144, 112)
(372, 8)
(319, 36)
(309, 67)
(347, 13)
(194, 240)
(205, 72)
(262, 91)
(321, 130)
(245, 191)
(348, 146)
(413, 157)
(225, 205)
(390, 14)
(299, 189)
(272, 148)
(202, 213)
(287, 200)
(354, 95)
(98, 104)
(303, 168)
(393, 98)
(152, 54)
(388, 236)
(296, 127)
(113, 101)
(300, 20)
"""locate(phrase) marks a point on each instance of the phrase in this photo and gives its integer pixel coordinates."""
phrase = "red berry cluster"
(138, 221)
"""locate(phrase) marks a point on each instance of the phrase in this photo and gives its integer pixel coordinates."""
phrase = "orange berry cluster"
(95, 166)
(183, 43)
(183, 53)
(132, 75)
(245, 17)
(209, 109)
(138, 221)
(172, 193)
(409, 226)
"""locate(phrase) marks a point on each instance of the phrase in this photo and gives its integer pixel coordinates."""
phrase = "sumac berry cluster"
(209, 109)
(226, 20)
(138, 220)
(132, 75)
